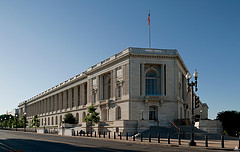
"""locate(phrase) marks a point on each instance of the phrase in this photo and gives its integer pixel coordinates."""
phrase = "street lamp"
(16, 117)
(190, 87)
(200, 114)
(25, 120)
(44, 122)
(9, 120)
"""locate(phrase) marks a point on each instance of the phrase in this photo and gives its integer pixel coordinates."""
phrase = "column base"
(192, 143)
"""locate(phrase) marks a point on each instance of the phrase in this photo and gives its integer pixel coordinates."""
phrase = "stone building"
(132, 90)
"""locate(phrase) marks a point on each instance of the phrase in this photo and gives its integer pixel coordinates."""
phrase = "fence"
(157, 138)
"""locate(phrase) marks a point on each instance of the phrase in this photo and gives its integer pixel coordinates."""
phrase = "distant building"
(14, 112)
(132, 90)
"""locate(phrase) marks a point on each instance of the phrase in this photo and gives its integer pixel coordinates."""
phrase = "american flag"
(148, 19)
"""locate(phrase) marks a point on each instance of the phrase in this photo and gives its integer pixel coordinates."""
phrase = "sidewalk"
(229, 145)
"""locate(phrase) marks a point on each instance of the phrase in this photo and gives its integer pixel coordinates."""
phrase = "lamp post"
(9, 120)
(16, 117)
(190, 88)
(25, 121)
(200, 114)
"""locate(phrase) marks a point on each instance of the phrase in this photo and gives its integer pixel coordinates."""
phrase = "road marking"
(8, 147)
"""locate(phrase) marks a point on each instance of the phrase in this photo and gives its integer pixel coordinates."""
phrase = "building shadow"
(26, 145)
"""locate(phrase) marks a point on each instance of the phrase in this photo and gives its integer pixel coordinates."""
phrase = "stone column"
(82, 94)
(76, 96)
(55, 102)
(126, 79)
(60, 101)
(89, 92)
(98, 89)
(142, 80)
(70, 98)
(107, 113)
(50, 104)
(44, 106)
(41, 107)
(162, 80)
(65, 100)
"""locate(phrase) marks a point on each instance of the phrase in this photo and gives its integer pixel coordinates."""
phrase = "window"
(151, 83)
(60, 120)
(119, 91)
(48, 121)
(83, 115)
(118, 113)
(52, 121)
(94, 97)
(56, 121)
(152, 113)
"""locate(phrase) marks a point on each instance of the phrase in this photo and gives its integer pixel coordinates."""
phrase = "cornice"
(141, 52)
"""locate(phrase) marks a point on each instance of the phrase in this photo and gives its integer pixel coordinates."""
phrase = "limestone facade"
(133, 89)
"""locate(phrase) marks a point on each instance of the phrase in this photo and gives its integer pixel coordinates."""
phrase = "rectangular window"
(119, 91)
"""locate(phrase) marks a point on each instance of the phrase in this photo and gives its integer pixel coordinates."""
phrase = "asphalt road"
(32, 142)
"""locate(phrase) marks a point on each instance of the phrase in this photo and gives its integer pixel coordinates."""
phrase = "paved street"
(32, 142)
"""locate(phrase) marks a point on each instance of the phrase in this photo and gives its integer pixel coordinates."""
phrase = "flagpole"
(149, 37)
(149, 30)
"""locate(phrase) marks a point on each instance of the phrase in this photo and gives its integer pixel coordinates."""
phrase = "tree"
(23, 121)
(5, 122)
(92, 116)
(230, 122)
(15, 122)
(9, 123)
(35, 121)
(69, 118)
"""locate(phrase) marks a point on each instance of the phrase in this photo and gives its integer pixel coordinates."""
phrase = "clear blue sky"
(43, 43)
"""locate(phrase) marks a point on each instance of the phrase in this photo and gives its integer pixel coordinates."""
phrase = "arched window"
(77, 118)
(45, 121)
(48, 121)
(83, 115)
(152, 113)
(118, 113)
(60, 120)
(151, 83)
(56, 120)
